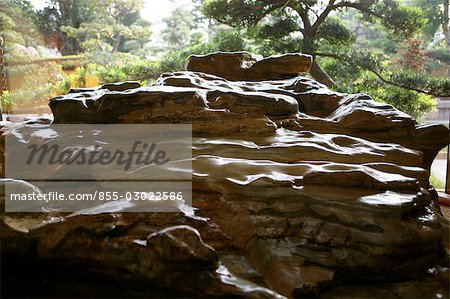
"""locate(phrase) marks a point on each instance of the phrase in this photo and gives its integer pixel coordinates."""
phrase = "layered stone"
(243, 66)
(296, 188)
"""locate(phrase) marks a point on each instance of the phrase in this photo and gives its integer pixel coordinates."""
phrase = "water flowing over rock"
(297, 189)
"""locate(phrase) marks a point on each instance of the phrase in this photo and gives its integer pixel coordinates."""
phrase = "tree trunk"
(308, 47)
(445, 23)
(320, 75)
(116, 43)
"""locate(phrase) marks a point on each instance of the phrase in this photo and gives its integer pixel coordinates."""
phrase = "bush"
(121, 67)
(411, 102)
(7, 101)
(81, 77)
(31, 82)
(224, 40)
(442, 55)
(411, 55)
(422, 81)
(354, 79)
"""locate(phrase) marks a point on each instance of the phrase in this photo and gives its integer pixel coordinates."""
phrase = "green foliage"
(236, 12)
(286, 26)
(17, 23)
(63, 86)
(335, 32)
(356, 61)
(226, 40)
(28, 95)
(110, 22)
(109, 74)
(360, 80)
(7, 101)
(223, 40)
(411, 55)
(275, 35)
(31, 76)
(60, 13)
(32, 82)
(442, 55)
(432, 11)
(81, 77)
(364, 60)
(403, 21)
(421, 81)
(277, 27)
(123, 67)
(408, 101)
(6, 24)
(437, 183)
(71, 63)
(173, 61)
(369, 35)
(178, 28)
(263, 44)
(176, 60)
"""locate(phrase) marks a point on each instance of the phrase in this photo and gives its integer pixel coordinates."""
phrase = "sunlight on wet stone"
(297, 190)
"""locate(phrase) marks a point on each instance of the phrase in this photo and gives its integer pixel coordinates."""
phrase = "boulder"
(243, 66)
(119, 86)
(297, 189)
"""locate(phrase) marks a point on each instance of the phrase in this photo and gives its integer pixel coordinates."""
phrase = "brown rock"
(243, 66)
(236, 111)
(120, 86)
(294, 186)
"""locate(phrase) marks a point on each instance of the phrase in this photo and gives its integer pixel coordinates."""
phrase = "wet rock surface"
(298, 191)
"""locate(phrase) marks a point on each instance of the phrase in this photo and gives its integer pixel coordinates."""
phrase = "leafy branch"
(422, 82)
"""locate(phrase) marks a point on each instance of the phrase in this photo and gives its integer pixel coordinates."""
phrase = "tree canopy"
(108, 24)
(396, 50)
(17, 23)
(308, 26)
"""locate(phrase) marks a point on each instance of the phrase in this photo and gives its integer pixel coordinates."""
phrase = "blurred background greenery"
(396, 50)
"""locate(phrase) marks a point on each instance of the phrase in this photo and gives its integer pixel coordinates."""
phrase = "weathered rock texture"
(243, 66)
(297, 189)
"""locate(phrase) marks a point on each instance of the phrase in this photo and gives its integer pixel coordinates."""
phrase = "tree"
(306, 25)
(224, 39)
(178, 27)
(110, 22)
(60, 13)
(18, 23)
(446, 23)
(437, 13)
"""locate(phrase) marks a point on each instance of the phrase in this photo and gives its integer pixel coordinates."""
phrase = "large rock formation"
(243, 66)
(297, 189)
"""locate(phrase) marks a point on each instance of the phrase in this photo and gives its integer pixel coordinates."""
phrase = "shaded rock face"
(297, 189)
(243, 66)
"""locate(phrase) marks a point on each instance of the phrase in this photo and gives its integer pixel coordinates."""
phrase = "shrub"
(7, 101)
(29, 83)
(411, 102)
(81, 77)
(411, 55)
